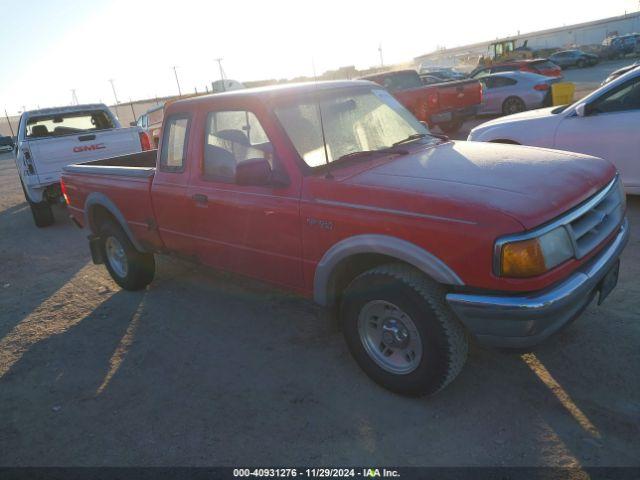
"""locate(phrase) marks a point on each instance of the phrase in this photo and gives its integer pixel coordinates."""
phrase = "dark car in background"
(441, 74)
(6, 144)
(574, 58)
(621, 71)
(541, 66)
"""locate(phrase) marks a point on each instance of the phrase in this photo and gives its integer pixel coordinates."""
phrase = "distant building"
(588, 33)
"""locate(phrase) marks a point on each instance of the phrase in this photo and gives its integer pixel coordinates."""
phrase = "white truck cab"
(52, 138)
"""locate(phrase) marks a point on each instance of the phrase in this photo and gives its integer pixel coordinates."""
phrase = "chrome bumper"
(525, 320)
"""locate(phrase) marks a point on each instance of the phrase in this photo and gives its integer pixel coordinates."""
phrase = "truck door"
(171, 205)
(249, 229)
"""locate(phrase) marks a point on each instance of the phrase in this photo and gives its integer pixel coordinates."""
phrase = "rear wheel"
(513, 105)
(41, 211)
(400, 331)
(129, 268)
(451, 127)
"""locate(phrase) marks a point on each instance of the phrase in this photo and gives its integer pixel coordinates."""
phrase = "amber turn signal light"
(523, 259)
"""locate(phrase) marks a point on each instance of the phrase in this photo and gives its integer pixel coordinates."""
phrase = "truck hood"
(531, 185)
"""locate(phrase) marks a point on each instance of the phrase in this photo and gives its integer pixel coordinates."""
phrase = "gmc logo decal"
(89, 148)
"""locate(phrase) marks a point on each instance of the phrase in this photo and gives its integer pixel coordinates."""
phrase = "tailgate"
(53, 153)
(459, 95)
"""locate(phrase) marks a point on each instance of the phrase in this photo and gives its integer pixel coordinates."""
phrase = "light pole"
(175, 72)
(219, 60)
(9, 122)
(380, 52)
(74, 97)
(115, 95)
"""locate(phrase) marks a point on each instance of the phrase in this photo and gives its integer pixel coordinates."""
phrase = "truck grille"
(597, 218)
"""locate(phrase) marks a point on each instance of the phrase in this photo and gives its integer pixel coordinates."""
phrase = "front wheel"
(401, 332)
(129, 268)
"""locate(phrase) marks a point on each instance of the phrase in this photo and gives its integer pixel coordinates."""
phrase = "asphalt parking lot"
(204, 368)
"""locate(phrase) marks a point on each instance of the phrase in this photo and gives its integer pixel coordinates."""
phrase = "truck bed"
(125, 182)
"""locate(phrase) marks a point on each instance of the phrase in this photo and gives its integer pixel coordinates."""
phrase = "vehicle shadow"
(204, 368)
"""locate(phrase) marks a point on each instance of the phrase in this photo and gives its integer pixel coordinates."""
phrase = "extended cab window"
(174, 144)
(72, 123)
(232, 137)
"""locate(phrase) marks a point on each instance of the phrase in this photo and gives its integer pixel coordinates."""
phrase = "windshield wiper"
(410, 138)
(369, 153)
(417, 136)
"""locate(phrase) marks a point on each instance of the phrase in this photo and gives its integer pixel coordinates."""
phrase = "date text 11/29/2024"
(316, 472)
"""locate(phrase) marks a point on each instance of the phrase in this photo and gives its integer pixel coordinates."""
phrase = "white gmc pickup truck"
(52, 138)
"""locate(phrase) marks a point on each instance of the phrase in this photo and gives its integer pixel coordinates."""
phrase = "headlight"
(528, 258)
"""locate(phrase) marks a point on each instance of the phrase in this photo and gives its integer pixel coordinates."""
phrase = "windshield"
(354, 121)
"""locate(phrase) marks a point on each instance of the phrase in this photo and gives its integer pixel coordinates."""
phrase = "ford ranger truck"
(418, 243)
(51, 138)
(445, 105)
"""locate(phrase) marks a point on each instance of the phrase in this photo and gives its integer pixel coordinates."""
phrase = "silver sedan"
(512, 92)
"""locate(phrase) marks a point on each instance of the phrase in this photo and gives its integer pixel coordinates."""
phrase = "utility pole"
(219, 60)
(132, 109)
(380, 52)
(175, 72)
(9, 122)
(115, 95)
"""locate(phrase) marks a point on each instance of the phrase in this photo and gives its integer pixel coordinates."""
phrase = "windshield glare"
(353, 122)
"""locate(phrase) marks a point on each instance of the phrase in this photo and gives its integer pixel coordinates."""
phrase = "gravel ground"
(204, 368)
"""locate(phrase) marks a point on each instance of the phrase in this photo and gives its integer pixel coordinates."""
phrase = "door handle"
(86, 138)
(200, 198)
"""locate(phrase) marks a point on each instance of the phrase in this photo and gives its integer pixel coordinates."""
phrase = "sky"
(50, 47)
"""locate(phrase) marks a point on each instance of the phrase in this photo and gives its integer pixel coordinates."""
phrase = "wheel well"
(349, 268)
(98, 215)
(505, 140)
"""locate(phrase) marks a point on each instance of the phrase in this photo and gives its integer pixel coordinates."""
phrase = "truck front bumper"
(525, 320)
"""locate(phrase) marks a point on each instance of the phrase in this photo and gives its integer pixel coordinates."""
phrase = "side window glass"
(624, 98)
(232, 137)
(174, 144)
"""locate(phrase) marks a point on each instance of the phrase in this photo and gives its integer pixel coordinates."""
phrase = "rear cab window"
(174, 143)
(71, 123)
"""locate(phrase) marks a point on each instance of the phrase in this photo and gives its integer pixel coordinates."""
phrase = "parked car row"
(603, 124)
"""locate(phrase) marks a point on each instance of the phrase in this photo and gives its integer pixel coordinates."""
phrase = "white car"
(604, 124)
(52, 138)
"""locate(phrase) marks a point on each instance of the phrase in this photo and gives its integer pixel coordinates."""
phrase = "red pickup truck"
(335, 191)
(445, 105)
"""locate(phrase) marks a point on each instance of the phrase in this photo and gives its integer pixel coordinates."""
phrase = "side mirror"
(581, 110)
(254, 171)
(133, 124)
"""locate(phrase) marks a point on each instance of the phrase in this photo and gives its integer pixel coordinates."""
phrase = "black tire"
(41, 211)
(513, 105)
(452, 127)
(581, 63)
(140, 267)
(443, 339)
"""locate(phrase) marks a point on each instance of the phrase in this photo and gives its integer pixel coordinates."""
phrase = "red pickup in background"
(446, 105)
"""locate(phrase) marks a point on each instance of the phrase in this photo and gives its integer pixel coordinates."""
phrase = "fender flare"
(381, 244)
(100, 199)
